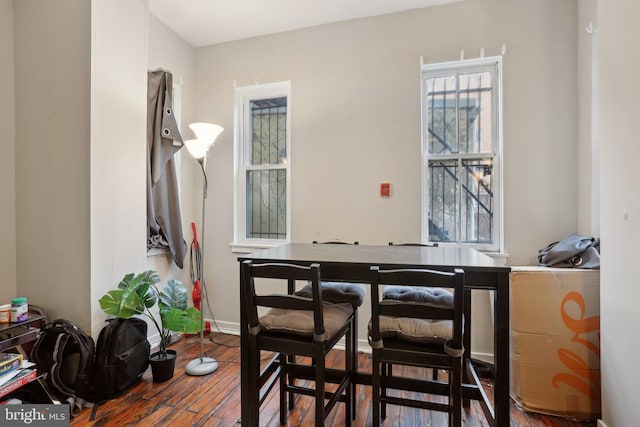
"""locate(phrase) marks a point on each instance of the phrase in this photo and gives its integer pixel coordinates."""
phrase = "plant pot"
(162, 369)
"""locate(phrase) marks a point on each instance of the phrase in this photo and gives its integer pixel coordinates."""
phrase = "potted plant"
(137, 295)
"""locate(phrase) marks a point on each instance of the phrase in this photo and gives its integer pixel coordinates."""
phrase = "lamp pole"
(202, 365)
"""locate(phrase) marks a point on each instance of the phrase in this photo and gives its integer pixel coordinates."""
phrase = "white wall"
(8, 289)
(118, 145)
(355, 111)
(588, 212)
(620, 208)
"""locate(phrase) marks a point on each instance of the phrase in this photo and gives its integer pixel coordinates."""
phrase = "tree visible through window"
(461, 142)
(263, 160)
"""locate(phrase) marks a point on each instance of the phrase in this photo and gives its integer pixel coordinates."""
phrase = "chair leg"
(319, 415)
(253, 371)
(386, 372)
(375, 388)
(354, 363)
(466, 340)
(349, 407)
(283, 387)
(292, 401)
(455, 395)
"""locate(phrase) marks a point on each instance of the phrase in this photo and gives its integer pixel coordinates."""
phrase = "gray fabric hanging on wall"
(164, 221)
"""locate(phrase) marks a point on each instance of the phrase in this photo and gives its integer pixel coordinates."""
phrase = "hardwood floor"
(214, 400)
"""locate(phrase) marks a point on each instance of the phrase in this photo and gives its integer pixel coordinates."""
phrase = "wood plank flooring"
(214, 400)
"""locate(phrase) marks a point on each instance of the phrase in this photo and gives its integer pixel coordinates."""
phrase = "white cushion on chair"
(300, 322)
(415, 330)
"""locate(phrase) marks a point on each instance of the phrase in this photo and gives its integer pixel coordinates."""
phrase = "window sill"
(158, 251)
(247, 248)
(498, 256)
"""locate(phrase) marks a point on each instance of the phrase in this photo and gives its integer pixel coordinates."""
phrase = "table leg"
(501, 334)
(248, 412)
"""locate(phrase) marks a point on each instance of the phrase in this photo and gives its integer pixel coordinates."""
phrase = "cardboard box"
(555, 341)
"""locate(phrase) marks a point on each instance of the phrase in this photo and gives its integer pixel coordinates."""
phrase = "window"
(461, 145)
(262, 142)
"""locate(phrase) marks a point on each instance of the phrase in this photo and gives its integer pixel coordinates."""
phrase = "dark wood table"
(351, 263)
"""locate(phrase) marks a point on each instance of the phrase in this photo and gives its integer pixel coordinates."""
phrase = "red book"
(24, 377)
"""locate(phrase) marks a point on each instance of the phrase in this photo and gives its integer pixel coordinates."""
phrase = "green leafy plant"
(137, 294)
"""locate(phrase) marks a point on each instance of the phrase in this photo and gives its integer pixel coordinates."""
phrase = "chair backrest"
(290, 273)
(423, 278)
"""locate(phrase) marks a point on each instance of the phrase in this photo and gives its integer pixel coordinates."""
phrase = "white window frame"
(447, 68)
(243, 96)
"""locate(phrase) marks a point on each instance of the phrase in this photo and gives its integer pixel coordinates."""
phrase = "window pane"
(441, 114)
(459, 113)
(477, 201)
(443, 179)
(475, 112)
(268, 131)
(266, 204)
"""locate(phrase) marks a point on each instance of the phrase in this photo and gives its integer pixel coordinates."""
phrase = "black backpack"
(122, 356)
(66, 352)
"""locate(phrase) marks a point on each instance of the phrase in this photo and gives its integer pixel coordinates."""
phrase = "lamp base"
(201, 366)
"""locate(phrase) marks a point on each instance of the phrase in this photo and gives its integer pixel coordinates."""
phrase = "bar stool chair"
(423, 334)
(417, 294)
(408, 293)
(338, 293)
(295, 326)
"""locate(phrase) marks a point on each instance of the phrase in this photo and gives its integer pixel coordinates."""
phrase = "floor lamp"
(206, 135)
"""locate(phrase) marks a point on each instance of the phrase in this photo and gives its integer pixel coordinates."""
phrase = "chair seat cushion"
(338, 292)
(300, 322)
(436, 296)
(415, 330)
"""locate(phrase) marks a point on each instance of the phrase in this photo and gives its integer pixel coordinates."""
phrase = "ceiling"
(206, 22)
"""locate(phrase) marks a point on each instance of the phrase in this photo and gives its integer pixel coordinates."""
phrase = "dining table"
(351, 263)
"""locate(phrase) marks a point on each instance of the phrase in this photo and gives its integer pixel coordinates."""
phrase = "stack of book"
(14, 372)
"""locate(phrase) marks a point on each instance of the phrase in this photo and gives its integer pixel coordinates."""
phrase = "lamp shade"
(206, 134)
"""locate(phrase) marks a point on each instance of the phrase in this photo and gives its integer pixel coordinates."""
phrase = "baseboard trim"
(601, 424)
